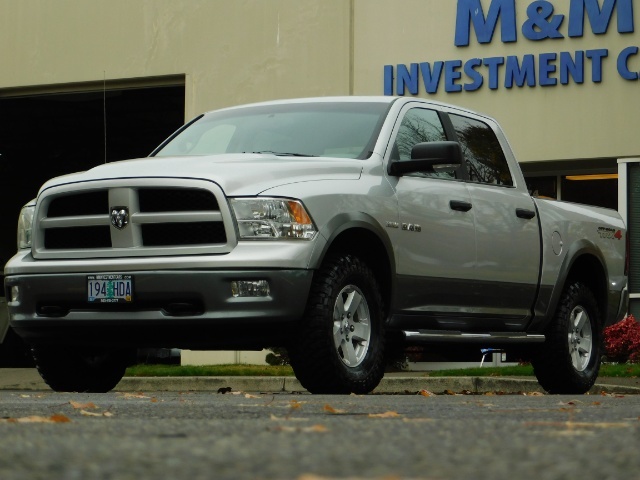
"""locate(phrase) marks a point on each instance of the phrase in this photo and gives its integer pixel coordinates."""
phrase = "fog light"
(15, 294)
(250, 288)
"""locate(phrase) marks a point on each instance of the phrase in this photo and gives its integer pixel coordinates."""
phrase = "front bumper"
(171, 308)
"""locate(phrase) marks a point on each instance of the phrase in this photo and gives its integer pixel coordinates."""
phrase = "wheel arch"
(361, 235)
(590, 270)
(584, 262)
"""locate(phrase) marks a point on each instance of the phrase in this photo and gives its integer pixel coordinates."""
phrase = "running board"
(434, 336)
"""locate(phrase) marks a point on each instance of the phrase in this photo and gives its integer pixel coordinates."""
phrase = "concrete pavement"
(397, 382)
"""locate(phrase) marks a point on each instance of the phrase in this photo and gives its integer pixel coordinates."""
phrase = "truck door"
(507, 229)
(434, 239)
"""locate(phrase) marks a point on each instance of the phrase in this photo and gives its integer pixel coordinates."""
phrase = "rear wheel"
(81, 370)
(340, 346)
(569, 361)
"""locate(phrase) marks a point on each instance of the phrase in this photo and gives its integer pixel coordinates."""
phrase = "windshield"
(340, 129)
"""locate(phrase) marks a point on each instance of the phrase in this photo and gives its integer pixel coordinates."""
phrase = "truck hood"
(237, 174)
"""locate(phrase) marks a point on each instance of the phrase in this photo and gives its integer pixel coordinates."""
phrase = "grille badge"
(119, 217)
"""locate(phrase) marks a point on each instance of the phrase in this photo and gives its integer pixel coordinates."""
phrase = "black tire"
(69, 369)
(340, 345)
(569, 360)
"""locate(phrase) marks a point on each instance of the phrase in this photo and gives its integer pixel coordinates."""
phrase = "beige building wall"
(191, 357)
(542, 123)
(242, 51)
(230, 51)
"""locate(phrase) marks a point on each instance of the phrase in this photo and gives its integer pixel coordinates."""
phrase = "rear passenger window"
(486, 162)
(419, 125)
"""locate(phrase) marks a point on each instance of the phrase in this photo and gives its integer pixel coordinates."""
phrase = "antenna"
(104, 112)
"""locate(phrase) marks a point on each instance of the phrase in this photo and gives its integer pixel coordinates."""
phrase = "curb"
(29, 380)
(388, 385)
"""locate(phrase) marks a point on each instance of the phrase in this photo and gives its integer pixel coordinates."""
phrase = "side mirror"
(429, 157)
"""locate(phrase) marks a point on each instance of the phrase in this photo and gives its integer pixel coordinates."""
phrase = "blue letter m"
(471, 11)
(600, 18)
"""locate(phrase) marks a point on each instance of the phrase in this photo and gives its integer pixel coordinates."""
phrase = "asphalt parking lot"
(238, 435)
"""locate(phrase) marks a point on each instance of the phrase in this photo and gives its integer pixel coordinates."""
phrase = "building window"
(600, 190)
(597, 190)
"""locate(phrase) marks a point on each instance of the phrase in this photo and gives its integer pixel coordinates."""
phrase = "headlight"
(25, 221)
(272, 218)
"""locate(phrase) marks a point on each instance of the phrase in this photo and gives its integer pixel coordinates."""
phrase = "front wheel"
(73, 369)
(340, 345)
(569, 361)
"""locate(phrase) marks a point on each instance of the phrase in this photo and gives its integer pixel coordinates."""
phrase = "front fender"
(343, 222)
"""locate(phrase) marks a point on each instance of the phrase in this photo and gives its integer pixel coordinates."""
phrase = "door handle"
(460, 206)
(525, 213)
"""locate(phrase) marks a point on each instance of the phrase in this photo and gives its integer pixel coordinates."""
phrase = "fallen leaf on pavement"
(275, 418)
(93, 414)
(573, 425)
(426, 393)
(389, 414)
(57, 418)
(294, 404)
(316, 428)
(328, 408)
(312, 429)
(615, 395)
(128, 396)
(84, 406)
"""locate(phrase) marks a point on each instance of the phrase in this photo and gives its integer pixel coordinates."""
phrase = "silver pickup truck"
(339, 228)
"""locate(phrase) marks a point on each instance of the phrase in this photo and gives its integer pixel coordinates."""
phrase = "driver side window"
(419, 125)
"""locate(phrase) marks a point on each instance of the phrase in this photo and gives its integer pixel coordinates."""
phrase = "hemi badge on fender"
(411, 227)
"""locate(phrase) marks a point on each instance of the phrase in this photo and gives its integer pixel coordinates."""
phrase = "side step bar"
(435, 336)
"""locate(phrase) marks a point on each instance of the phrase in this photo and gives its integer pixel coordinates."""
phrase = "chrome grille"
(176, 217)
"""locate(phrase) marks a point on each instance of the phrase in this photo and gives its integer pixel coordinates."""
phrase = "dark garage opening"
(46, 135)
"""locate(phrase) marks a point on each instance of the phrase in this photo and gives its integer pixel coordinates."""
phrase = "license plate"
(110, 288)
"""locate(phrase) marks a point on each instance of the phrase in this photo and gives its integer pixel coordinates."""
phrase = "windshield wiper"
(284, 154)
